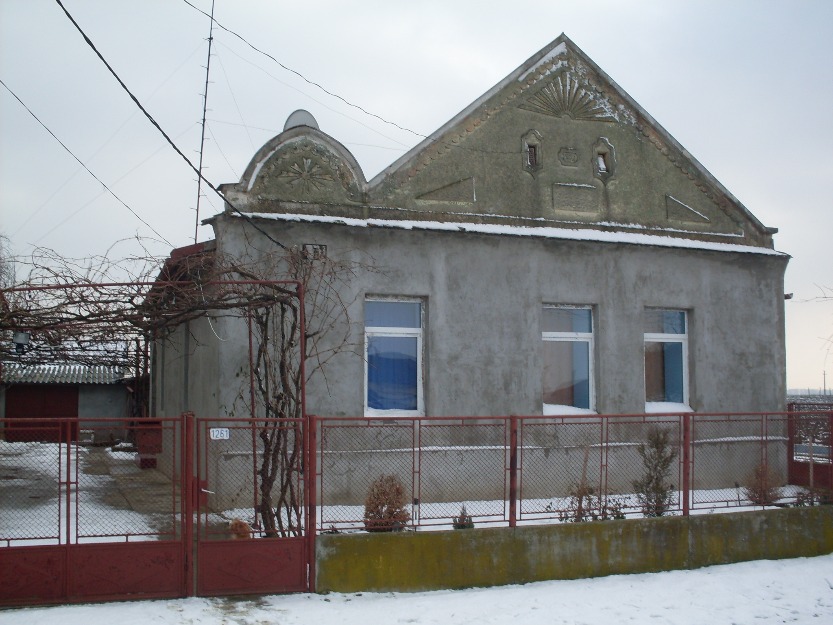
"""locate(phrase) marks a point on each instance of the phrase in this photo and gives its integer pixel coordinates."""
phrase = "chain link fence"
(72, 481)
(479, 471)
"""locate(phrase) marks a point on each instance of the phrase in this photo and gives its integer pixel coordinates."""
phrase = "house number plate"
(218, 434)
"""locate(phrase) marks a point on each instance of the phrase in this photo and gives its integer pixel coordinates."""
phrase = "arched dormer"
(300, 165)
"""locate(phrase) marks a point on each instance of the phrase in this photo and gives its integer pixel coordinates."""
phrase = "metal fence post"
(687, 461)
(189, 495)
(513, 471)
(311, 486)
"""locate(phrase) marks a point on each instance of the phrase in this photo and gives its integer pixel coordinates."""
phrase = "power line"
(345, 100)
(304, 78)
(84, 166)
(164, 134)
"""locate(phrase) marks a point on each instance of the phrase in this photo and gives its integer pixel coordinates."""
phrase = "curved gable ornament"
(305, 165)
(567, 96)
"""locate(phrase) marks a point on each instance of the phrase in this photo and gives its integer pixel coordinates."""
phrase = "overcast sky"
(745, 86)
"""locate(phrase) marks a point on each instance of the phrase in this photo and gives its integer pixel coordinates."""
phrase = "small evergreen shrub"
(654, 492)
(761, 486)
(462, 522)
(384, 507)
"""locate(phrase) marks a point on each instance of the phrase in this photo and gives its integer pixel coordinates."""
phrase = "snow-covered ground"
(783, 591)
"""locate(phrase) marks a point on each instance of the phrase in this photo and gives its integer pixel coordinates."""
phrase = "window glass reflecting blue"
(673, 363)
(392, 372)
(384, 314)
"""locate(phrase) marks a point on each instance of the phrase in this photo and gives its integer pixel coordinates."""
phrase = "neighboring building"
(550, 249)
(31, 393)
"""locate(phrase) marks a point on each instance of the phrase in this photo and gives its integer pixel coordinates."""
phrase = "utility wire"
(164, 134)
(100, 148)
(84, 166)
(345, 100)
(304, 78)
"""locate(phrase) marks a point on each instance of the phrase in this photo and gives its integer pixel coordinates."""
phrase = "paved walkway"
(131, 488)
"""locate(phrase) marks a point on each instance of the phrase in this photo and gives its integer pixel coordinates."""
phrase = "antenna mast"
(204, 109)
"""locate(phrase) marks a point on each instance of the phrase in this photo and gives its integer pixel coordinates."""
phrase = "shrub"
(760, 486)
(653, 490)
(462, 522)
(580, 507)
(384, 507)
(814, 497)
(585, 505)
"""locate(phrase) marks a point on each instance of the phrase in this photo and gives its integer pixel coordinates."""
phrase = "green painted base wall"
(417, 561)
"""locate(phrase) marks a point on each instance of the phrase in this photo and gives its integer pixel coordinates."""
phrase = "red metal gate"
(86, 522)
(82, 522)
(238, 550)
(811, 445)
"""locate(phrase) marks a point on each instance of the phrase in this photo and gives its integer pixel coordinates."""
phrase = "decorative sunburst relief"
(305, 170)
(306, 175)
(567, 95)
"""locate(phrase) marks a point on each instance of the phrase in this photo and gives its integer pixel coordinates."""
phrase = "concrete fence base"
(419, 561)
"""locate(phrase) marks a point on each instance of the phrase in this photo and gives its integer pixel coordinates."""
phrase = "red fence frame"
(79, 565)
(759, 434)
(75, 563)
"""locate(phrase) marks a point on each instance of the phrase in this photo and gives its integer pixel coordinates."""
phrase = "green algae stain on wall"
(419, 561)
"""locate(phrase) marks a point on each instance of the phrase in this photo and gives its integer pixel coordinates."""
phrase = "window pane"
(567, 320)
(664, 321)
(567, 373)
(664, 372)
(381, 314)
(392, 372)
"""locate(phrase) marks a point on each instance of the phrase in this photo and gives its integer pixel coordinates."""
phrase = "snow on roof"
(558, 50)
(545, 232)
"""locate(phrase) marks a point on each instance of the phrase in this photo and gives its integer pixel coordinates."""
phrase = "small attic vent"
(300, 118)
(532, 156)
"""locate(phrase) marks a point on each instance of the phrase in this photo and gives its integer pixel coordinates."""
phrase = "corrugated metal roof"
(15, 373)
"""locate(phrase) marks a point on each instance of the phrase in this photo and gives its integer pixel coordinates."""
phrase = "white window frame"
(385, 331)
(664, 337)
(576, 337)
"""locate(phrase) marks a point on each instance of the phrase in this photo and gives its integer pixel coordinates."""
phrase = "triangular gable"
(558, 140)
(555, 144)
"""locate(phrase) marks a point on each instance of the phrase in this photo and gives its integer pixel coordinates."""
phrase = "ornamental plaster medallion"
(306, 175)
(568, 157)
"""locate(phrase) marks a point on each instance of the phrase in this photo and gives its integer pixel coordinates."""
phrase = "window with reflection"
(393, 357)
(567, 333)
(666, 356)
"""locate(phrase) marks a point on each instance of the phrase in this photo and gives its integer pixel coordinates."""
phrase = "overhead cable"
(123, 203)
(164, 134)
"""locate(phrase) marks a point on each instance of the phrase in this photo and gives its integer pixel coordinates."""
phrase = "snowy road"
(784, 591)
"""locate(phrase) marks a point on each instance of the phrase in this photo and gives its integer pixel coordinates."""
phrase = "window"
(532, 156)
(567, 333)
(393, 363)
(531, 144)
(666, 356)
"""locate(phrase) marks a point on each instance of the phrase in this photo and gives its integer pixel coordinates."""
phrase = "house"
(97, 396)
(549, 250)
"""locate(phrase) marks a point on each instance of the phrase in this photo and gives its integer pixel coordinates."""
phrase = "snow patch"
(546, 232)
(557, 51)
(666, 407)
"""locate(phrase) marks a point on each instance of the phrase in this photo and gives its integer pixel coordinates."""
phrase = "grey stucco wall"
(483, 297)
